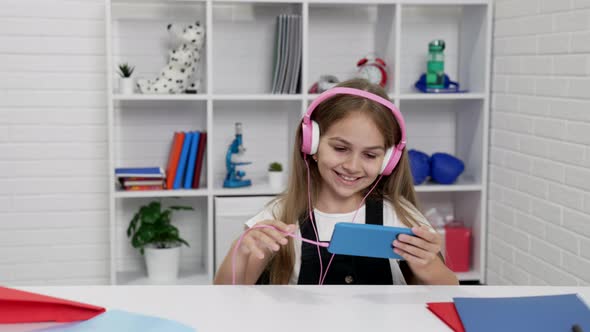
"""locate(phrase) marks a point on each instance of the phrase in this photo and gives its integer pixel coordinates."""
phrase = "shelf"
(441, 96)
(254, 190)
(461, 185)
(468, 276)
(236, 77)
(220, 97)
(313, 96)
(162, 193)
(148, 2)
(244, 42)
(262, 97)
(185, 277)
(154, 97)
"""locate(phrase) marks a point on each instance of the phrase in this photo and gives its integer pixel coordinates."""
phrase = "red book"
(199, 162)
(24, 307)
(173, 158)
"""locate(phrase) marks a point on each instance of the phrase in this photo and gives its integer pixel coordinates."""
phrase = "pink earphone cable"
(322, 278)
(310, 211)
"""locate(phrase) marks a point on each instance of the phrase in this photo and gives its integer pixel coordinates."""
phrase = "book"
(278, 54)
(298, 50)
(144, 187)
(25, 307)
(180, 171)
(199, 162)
(192, 157)
(531, 313)
(145, 172)
(173, 158)
(128, 183)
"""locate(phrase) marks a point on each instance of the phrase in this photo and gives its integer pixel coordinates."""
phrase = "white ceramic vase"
(162, 264)
(126, 85)
(276, 180)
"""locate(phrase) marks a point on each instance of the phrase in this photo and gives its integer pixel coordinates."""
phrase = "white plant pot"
(276, 180)
(126, 85)
(162, 264)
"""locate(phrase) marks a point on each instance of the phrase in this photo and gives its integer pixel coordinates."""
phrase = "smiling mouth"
(347, 179)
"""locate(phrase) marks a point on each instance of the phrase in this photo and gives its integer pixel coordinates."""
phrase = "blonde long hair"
(396, 188)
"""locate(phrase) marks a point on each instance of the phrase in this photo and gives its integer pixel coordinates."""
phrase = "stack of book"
(185, 163)
(287, 59)
(185, 160)
(141, 178)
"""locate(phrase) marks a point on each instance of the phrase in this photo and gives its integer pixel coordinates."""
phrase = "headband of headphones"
(311, 130)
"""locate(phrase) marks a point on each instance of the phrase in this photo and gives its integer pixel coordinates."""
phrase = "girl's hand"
(420, 250)
(258, 240)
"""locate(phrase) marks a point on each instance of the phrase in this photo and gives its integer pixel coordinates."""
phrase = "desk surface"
(288, 308)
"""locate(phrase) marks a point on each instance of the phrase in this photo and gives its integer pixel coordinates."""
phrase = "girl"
(357, 170)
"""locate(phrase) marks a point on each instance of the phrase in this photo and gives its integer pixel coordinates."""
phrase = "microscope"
(234, 177)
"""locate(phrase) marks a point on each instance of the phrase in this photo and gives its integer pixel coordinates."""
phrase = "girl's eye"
(339, 148)
(371, 156)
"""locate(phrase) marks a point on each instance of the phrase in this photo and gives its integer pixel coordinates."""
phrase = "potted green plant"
(158, 240)
(126, 84)
(275, 175)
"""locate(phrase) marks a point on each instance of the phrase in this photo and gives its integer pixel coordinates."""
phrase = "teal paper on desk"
(551, 313)
(122, 321)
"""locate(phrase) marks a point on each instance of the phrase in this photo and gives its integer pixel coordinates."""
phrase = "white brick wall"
(53, 151)
(539, 211)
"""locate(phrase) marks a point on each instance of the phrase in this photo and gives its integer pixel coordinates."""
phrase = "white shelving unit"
(236, 72)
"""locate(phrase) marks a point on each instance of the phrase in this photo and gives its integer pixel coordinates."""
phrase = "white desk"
(288, 308)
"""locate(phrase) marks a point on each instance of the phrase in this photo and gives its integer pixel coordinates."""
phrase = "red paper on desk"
(23, 307)
(447, 312)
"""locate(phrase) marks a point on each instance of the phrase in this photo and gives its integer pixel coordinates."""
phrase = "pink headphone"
(311, 130)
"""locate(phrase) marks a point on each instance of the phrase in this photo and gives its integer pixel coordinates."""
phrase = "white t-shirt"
(325, 223)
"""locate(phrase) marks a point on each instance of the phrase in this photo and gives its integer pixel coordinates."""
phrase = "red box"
(457, 247)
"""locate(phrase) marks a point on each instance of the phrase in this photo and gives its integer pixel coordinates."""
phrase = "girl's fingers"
(427, 233)
(410, 258)
(252, 247)
(414, 250)
(276, 235)
(265, 240)
(416, 242)
(284, 227)
(420, 242)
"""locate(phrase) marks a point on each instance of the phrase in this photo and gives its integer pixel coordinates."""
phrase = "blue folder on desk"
(551, 313)
(122, 321)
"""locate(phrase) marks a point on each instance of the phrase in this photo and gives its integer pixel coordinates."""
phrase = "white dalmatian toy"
(178, 76)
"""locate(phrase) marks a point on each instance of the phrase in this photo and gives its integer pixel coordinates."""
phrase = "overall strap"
(344, 269)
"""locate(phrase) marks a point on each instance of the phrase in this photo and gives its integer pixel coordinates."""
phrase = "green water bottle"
(435, 68)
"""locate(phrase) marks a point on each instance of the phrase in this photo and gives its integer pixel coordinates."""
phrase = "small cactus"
(125, 70)
(275, 167)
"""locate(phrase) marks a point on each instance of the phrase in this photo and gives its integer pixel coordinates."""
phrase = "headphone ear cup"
(310, 137)
(390, 160)
(315, 137)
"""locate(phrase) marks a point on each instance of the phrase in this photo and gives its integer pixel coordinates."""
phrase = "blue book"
(139, 172)
(533, 313)
(192, 157)
(182, 162)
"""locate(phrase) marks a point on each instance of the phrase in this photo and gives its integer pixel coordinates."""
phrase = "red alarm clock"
(372, 69)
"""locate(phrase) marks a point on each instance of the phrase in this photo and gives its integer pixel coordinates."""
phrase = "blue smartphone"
(365, 240)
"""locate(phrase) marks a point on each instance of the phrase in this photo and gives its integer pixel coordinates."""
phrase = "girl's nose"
(352, 163)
